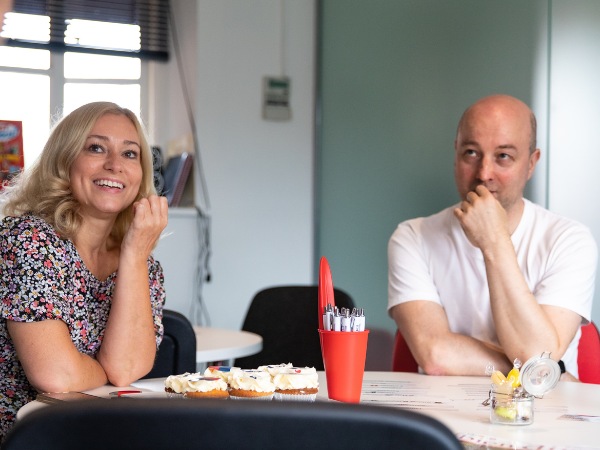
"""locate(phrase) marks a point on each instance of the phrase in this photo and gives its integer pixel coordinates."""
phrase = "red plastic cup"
(344, 355)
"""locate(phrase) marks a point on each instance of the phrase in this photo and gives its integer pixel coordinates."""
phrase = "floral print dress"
(42, 277)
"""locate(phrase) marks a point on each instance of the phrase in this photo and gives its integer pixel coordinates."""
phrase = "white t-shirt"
(431, 259)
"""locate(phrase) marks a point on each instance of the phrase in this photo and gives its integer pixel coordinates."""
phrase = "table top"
(568, 417)
(219, 344)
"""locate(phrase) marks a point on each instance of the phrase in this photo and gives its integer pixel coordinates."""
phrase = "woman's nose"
(113, 162)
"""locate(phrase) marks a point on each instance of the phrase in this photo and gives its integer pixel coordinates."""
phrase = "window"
(58, 58)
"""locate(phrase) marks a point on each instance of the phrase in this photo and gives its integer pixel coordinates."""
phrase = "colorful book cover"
(11, 150)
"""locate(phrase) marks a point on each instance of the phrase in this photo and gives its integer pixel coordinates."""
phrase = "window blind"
(151, 16)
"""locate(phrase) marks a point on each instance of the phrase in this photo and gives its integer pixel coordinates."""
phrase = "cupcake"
(296, 384)
(251, 384)
(222, 372)
(177, 385)
(275, 369)
(206, 387)
(194, 385)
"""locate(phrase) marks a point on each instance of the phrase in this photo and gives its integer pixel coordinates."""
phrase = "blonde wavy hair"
(44, 189)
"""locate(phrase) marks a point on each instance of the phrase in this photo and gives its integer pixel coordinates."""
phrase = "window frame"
(57, 80)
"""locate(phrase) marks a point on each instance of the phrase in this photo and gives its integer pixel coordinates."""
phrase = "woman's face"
(106, 176)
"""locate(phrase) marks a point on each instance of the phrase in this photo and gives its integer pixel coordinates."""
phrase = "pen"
(121, 393)
(336, 320)
(345, 322)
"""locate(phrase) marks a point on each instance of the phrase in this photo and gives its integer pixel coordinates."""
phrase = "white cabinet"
(177, 251)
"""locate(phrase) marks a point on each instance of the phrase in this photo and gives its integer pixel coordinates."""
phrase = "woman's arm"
(50, 359)
(129, 346)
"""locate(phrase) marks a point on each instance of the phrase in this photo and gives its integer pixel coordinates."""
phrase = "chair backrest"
(588, 356)
(402, 359)
(380, 349)
(177, 351)
(287, 319)
(156, 424)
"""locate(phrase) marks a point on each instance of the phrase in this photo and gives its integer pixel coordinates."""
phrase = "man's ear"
(533, 160)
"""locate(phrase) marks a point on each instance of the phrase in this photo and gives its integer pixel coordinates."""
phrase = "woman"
(81, 296)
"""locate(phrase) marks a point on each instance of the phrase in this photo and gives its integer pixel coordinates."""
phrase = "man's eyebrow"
(469, 142)
(104, 138)
(507, 147)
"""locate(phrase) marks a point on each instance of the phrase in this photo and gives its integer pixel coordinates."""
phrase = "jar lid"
(539, 375)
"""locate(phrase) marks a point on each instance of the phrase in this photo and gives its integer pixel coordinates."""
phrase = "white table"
(219, 344)
(457, 402)
(566, 418)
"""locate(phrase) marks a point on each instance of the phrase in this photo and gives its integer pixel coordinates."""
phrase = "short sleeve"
(569, 274)
(31, 256)
(409, 277)
(157, 296)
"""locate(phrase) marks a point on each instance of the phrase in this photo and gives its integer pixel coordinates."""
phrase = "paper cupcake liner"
(294, 397)
(259, 398)
(208, 397)
(174, 395)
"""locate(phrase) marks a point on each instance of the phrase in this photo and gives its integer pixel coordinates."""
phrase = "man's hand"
(482, 218)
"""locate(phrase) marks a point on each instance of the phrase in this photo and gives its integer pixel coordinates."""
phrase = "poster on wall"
(11, 150)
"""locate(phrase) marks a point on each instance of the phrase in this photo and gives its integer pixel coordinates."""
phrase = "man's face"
(492, 149)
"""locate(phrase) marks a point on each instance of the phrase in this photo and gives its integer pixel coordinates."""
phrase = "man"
(495, 277)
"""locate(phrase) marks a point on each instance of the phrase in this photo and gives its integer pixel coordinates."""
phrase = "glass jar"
(510, 406)
(511, 409)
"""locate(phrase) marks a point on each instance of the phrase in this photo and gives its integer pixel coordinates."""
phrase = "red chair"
(402, 358)
(588, 359)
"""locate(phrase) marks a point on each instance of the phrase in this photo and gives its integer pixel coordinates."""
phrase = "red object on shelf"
(11, 150)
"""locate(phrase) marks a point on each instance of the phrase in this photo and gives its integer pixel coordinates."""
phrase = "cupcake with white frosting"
(223, 372)
(296, 384)
(275, 369)
(207, 387)
(251, 384)
(195, 385)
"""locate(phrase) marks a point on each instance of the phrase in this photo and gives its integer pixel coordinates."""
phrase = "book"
(11, 150)
(176, 176)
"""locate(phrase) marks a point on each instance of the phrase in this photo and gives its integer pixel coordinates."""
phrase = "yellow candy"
(513, 377)
(498, 378)
(507, 412)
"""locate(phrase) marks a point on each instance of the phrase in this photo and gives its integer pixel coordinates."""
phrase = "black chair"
(177, 351)
(287, 319)
(156, 424)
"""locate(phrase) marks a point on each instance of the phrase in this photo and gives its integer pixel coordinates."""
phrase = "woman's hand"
(150, 216)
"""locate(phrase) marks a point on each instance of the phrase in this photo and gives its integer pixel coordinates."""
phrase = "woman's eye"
(95, 148)
(131, 154)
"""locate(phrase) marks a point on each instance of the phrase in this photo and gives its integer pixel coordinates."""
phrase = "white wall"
(259, 173)
(573, 178)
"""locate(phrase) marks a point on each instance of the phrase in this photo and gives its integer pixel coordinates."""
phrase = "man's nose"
(485, 169)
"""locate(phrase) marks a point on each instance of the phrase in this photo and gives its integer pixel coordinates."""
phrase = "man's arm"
(524, 327)
(437, 350)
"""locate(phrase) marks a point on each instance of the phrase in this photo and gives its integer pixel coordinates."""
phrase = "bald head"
(499, 106)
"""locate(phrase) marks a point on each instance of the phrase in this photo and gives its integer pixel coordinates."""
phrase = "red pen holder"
(344, 355)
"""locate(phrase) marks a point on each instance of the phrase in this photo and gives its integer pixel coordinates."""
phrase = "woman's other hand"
(150, 216)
